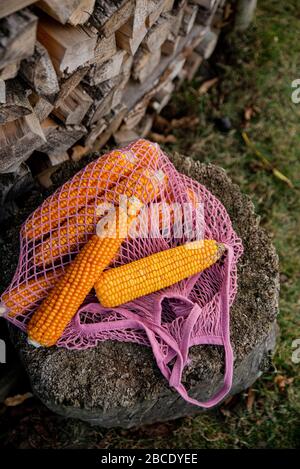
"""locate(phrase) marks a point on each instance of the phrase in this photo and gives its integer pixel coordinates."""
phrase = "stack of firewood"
(74, 73)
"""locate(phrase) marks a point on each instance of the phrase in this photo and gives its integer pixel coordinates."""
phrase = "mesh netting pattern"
(194, 311)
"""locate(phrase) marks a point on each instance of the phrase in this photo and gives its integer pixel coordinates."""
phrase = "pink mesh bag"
(192, 312)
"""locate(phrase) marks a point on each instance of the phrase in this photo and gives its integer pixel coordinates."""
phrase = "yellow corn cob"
(147, 275)
(65, 239)
(54, 314)
(86, 186)
(19, 299)
(52, 317)
(143, 184)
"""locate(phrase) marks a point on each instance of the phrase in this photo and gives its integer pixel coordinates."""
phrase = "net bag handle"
(176, 376)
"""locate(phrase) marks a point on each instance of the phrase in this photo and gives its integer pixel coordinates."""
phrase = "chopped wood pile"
(74, 73)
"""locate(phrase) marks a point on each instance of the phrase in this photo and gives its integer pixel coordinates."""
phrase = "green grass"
(255, 72)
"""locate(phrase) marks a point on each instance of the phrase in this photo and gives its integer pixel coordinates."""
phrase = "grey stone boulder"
(119, 384)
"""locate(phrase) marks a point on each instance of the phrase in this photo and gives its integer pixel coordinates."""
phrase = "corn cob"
(88, 184)
(26, 295)
(147, 275)
(65, 239)
(54, 314)
(52, 317)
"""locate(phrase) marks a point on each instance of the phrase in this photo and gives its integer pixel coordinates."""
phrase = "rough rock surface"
(119, 384)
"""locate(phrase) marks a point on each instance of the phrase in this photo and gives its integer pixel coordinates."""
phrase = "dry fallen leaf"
(207, 85)
(228, 10)
(250, 399)
(248, 113)
(184, 122)
(282, 382)
(17, 399)
(278, 174)
(159, 138)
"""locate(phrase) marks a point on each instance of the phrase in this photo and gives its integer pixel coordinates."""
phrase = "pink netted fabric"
(195, 311)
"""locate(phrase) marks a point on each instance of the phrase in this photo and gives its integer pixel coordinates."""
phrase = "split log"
(39, 73)
(170, 45)
(110, 69)
(125, 135)
(207, 44)
(192, 64)
(95, 130)
(144, 63)
(181, 77)
(189, 18)
(206, 11)
(17, 37)
(163, 96)
(157, 8)
(102, 100)
(109, 16)
(72, 110)
(68, 46)
(135, 115)
(175, 67)
(18, 139)
(158, 34)
(122, 81)
(131, 34)
(105, 48)
(68, 11)
(59, 138)
(2, 92)
(177, 20)
(113, 123)
(16, 104)
(144, 126)
(126, 70)
(126, 41)
(41, 107)
(244, 14)
(218, 16)
(57, 159)
(68, 84)
(10, 71)
(7, 7)
(82, 14)
(104, 129)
